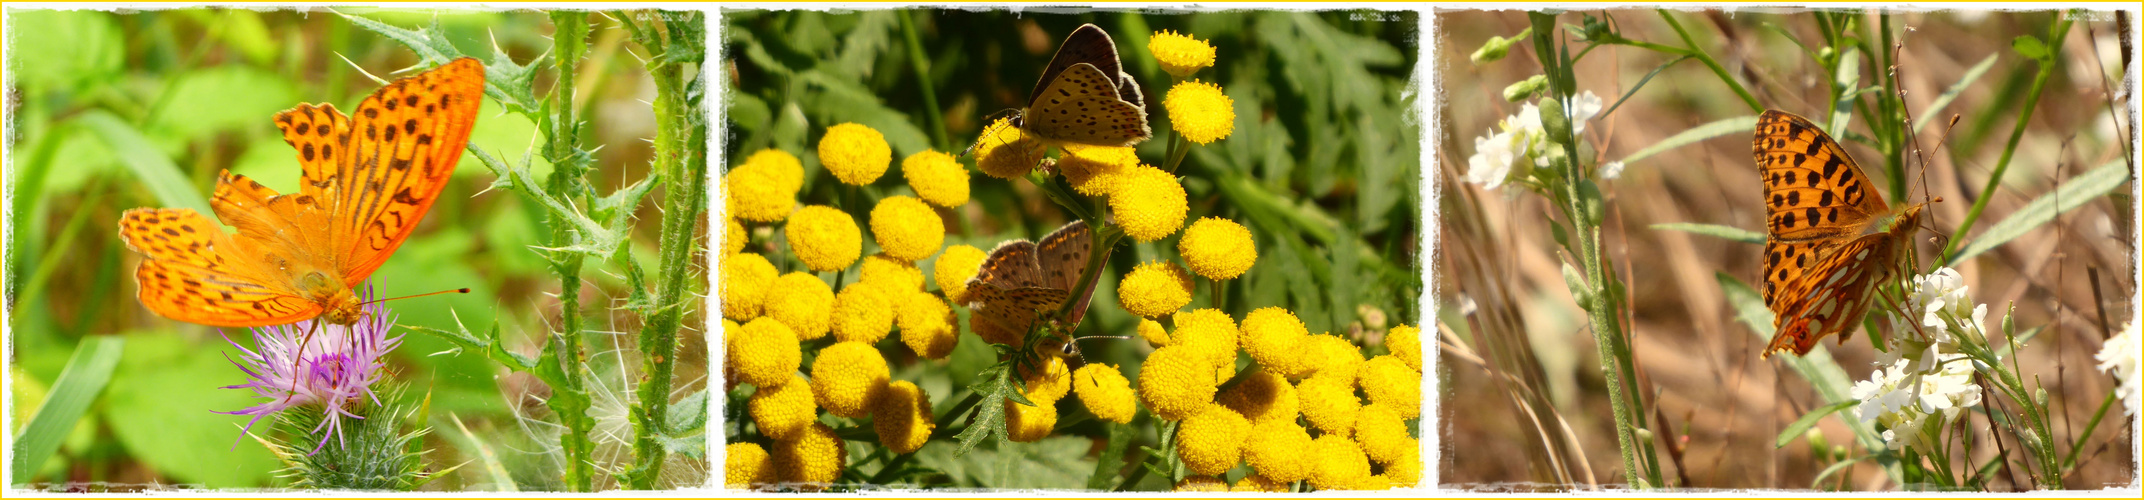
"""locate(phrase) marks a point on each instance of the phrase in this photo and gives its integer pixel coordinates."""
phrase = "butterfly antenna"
(987, 120)
(460, 290)
(297, 361)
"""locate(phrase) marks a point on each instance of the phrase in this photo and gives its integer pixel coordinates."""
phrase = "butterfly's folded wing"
(185, 275)
(1087, 44)
(1816, 198)
(1064, 255)
(1082, 106)
(1831, 297)
(404, 141)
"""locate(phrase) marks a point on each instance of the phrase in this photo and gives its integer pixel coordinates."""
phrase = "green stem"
(921, 62)
(2078, 446)
(2024, 117)
(1717, 70)
(566, 182)
(678, 157)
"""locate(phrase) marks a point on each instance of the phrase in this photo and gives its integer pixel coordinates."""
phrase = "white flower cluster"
(1498, 156)
(1923, 374)
(2118, 357)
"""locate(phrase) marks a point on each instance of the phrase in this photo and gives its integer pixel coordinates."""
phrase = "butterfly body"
(1830, 239)
(1085, 97)
(368, 179)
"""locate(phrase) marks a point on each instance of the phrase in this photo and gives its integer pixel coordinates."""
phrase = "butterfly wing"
(1082, 106)
(1087, 44)
(1010, 287)
(1816, 197)
(400, 147)
(1064, 258)
(1831, 297)
(185, 273)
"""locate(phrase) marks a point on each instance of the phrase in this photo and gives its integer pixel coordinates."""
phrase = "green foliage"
(370, 453)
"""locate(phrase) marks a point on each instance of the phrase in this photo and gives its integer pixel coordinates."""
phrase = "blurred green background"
(124, 110)
(1323, 167)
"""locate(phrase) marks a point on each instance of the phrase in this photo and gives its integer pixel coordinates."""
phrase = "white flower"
(1491, 163)
(1902, 399)
(1528, 121)
(1611, 170)
(2118, 357)
(1947, 317)
(1584, 107)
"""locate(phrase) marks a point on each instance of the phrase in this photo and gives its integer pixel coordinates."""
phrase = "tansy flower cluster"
(812, 294)
(1309, 407)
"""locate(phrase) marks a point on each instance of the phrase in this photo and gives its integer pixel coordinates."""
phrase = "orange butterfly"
(1830, 239)
(368, 180)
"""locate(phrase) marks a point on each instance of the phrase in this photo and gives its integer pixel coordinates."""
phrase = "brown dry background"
(1722, 405)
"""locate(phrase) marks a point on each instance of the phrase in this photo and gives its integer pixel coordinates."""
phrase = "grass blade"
(164, 179)
(2074, 193)
(1696, 134)
(1729, 233)
(78, 386)
(1936, 108)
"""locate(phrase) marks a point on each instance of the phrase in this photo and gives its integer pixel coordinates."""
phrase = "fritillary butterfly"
(1830, 239)
(368, 180)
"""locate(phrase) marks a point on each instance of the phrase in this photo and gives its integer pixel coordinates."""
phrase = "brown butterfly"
(1830, 239)
(1085, 97)
(1021, 281)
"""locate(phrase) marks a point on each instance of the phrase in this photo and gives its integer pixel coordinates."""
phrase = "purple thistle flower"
(337, 370)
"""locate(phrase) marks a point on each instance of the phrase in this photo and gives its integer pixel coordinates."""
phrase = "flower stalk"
(679, 158)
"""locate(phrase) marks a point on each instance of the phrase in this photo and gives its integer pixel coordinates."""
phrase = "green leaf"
(1743, 124)
(2074, 193)
(2029, 46)
(1111, 461)
(1801, 426)
(162, 406)
(64, 49)
(1823, 374)
(493, 468)
(85, 376)
(1729, 233)
(149, 164)
(688, 414)
(995, 385)
(1935, 109)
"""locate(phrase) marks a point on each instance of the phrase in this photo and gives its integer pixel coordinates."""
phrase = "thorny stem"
(679, 158)
(566, 182)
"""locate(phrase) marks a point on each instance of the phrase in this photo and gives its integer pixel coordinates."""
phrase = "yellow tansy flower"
(1175, 382)
(1219, 249)
(825, 238)
(1180, 55)
(1149, 203)
(937, 178)
(1096, 170)
(1208, 331)
(927, 325)
(907, 229)
(1105, 392)
(1155, 289)
(855, 153)
(1202, 484)
(1373, 483)
(1407, 471)
(1211, 441)
(848, 378)
(1276, 340)
(784, 411)
(803, 302)
(1262, 397)
(1335, 358)
(764, 188)
(1028, 424)
(1329, 405)
(1048, 382)
(748, 466)
(1389, 382)
(1259, 484)
(765, 353)
(1405, 342)
(1339, 464)
(1153, 333)
(1200, 112)
(902, 418)
(891, 274)
(734, 238)
(1278, 450)
(863, 312)
(815, 458)
(745, 277)
(1005, 152)
(1383, 435)
(954, 267)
